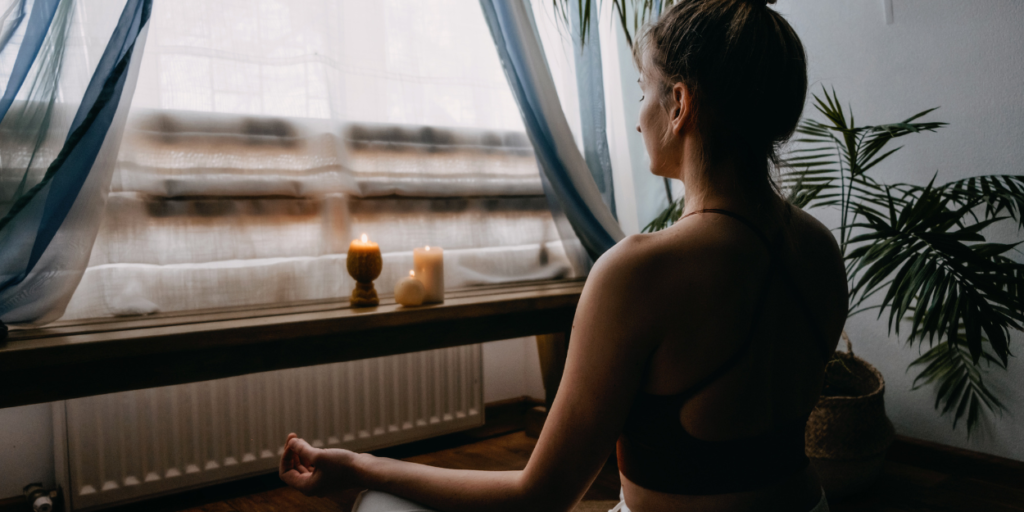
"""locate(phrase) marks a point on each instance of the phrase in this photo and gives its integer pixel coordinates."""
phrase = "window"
(265, 135)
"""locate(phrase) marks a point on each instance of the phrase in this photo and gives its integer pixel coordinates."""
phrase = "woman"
(697, 351)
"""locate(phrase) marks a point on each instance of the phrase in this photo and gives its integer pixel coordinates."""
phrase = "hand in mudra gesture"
(316, 471)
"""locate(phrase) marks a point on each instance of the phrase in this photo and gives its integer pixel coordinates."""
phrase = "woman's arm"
(325, 472)
(614, 332)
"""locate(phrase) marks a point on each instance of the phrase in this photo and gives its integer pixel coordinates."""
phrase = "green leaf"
(667, 217)
(960, 386)
(999, 193)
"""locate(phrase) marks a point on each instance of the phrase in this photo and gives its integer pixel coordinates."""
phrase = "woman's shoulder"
(631, 258)
(814, 251)
(634, 266)
(648, 253)
(815, 262)
(688, 254)
(809, 233)
(708, 250)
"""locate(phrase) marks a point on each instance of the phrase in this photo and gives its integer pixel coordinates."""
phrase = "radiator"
(128, 446)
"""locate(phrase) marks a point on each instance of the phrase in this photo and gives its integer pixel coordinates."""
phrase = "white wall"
(511, 370)
(968, 58)
(26, 448)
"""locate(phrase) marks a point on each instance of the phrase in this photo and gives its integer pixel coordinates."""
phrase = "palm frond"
(998, 193)
(959, 383)
(632, 15)
(830, 167)
(876, 137)
(667, 217)
(937, 273)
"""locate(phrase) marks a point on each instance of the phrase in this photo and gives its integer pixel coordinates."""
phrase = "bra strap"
(742, 351)
(762, 298)
(741, 220)
(788, 278)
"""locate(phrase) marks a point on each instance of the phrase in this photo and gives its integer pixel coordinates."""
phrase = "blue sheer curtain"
(568, 180)
(39, 23)
(590, 86)
(53, 212)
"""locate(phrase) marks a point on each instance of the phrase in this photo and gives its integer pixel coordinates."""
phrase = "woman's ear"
(679, 108)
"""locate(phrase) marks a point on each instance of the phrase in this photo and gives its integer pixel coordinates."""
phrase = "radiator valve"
(38, 497)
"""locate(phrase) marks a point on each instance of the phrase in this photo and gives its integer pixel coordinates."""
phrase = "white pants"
(822, 505)
(374, 501)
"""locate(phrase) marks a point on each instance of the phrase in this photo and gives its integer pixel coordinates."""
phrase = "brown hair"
(745, 70)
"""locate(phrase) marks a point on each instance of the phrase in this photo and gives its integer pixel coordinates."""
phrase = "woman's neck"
(721, 187)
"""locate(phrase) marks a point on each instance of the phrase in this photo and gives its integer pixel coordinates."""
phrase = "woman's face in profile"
(654, 124)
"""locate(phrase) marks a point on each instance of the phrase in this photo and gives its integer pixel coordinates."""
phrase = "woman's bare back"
(714, 268)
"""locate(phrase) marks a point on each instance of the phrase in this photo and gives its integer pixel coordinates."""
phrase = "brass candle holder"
(364, 265)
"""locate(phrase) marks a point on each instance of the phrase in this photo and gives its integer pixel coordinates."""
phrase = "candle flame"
(428, 247)
(412, 273)
(364, 238)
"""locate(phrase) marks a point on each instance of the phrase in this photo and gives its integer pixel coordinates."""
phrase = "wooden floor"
(921, 476)
(918, 477)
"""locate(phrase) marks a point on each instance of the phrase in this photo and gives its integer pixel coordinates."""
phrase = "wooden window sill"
(82, 358)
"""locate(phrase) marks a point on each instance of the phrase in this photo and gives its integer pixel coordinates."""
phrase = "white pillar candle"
(428, 263)
(410, 291)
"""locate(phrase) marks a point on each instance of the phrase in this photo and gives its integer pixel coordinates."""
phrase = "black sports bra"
(657, 453)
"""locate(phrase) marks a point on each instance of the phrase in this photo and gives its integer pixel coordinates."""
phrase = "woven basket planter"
(848, 432)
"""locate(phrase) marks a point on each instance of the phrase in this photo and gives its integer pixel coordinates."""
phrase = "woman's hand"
(315, 471)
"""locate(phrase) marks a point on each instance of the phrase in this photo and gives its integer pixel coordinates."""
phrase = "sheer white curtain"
(264, 135)
(396, 61)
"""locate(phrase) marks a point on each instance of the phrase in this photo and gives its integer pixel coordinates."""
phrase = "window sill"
(84, 358)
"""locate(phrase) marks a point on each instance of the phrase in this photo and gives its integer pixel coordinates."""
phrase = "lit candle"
(410, 291)
(429, 264)
(364, 265)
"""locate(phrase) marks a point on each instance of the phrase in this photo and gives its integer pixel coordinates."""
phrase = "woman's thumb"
(300, 447)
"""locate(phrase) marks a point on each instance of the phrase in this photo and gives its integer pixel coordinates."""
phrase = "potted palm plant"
(918, 252)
